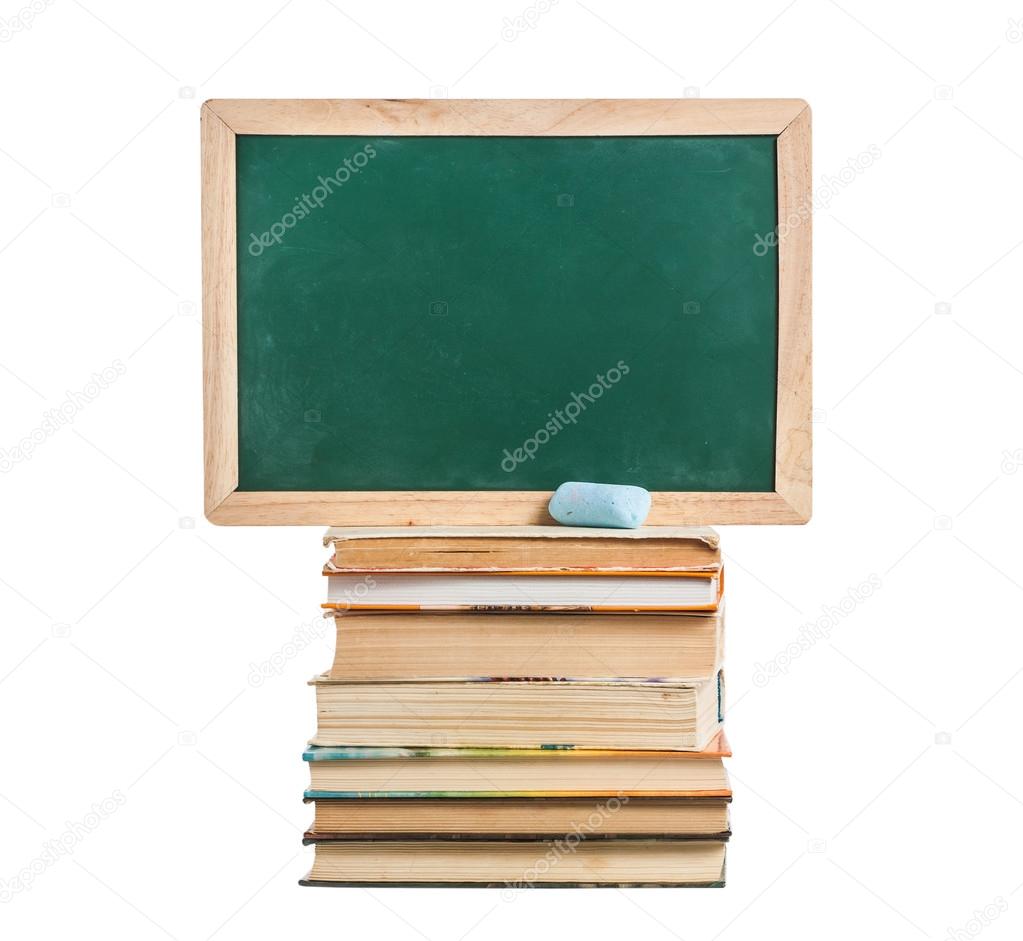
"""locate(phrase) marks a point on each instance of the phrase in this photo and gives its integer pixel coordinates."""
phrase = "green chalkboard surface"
(506, 313)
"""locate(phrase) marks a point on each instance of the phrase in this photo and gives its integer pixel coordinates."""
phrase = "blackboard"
(499, 312)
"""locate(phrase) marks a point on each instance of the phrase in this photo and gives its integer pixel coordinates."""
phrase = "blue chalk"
(616, 506)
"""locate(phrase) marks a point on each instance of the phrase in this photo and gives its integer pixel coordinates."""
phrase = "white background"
(878, 785)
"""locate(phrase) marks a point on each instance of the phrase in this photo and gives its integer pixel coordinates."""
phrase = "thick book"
(352, 773)
(600, 591)
(522, 549)
(509, 864)
(518, 713)
(439, 646)
(531, 568)
(519, 818)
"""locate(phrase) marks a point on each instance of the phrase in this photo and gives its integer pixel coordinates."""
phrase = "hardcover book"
(440, 646)
(521, 864)
(566, 772)
(523, 549)
(521, 713)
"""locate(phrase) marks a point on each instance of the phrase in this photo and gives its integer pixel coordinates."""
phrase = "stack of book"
(521, 706)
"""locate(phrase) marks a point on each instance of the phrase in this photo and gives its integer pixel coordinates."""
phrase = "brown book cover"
(493, 712)
(520, 864)
(523, 550)
(378, 645)
(513, 818)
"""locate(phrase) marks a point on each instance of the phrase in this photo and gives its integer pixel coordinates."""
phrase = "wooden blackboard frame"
(223, 119)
